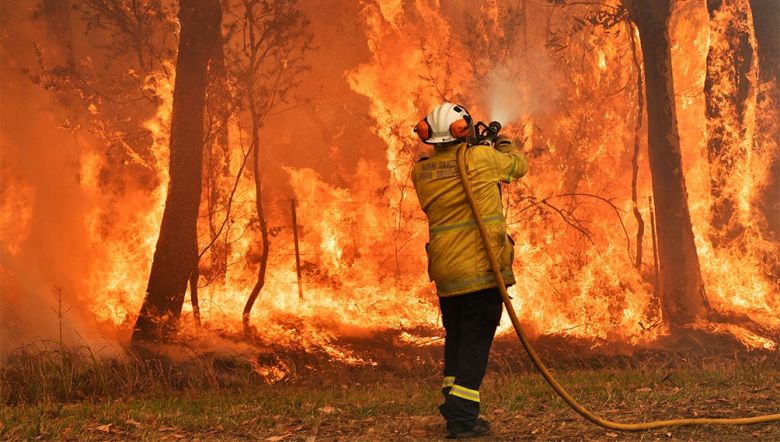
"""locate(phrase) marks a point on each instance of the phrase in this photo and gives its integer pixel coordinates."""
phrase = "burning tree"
(730, 90)
(256, 64)
(681, 288)
(766, 20)
(176, 254)
(575, 70)
(266, 43)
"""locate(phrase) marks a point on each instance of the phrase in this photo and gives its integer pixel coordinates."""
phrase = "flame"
(736, 277)
(125, 229)
(16, 203)
(362, 236)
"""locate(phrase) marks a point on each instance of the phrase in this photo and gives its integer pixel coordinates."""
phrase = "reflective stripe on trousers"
(465, 393)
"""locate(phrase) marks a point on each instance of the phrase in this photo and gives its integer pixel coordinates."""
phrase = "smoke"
(521, 88)
(45, 261)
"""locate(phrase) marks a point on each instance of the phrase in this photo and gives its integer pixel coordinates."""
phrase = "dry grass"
(54, 393)
(50, 373)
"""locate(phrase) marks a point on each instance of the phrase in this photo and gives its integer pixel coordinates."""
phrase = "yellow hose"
(584, 412)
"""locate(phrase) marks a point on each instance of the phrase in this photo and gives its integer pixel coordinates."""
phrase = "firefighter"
(470, 302)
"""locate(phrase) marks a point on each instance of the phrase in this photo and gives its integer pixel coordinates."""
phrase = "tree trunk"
(766, 22)
(681, 289)
(175, 256)
(257, 119)
(260, 282)
(730, 103)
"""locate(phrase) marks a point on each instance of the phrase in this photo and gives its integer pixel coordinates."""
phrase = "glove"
(504, 144)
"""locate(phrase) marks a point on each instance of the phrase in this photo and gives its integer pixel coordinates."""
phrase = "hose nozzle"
(487, 133)
(494, 128)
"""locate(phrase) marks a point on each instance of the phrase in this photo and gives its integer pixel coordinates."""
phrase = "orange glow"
(362, 234)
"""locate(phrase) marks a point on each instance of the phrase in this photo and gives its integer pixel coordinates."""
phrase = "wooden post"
(297, 249)
(657, 281)
(194, 276)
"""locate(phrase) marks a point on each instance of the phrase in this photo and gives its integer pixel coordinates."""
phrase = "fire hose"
(570, 401)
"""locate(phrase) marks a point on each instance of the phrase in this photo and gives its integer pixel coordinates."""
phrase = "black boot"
(481, 428)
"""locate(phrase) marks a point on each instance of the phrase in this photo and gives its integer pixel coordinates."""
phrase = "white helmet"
(446, 122)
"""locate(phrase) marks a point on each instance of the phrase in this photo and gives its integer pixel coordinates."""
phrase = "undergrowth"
(49, 372)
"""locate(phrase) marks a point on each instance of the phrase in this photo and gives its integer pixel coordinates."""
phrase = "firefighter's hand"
(504, 144)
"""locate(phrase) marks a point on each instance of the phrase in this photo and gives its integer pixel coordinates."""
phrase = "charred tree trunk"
(175, 256)
(681, 289)
(766, 22)
(730, 100)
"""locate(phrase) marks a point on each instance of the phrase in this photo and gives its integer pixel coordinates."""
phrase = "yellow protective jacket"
(457, 261)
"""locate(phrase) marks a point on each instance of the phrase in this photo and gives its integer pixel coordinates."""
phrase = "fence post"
(655, 246)
(194, 276)
(297, 249)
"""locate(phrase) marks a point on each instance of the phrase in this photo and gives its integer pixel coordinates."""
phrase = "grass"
(51, 373)
(71, 394)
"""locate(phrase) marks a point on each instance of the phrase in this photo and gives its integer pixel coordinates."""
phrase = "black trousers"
(470, 322)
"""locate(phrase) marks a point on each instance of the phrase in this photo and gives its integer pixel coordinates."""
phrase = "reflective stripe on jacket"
(457, 261)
